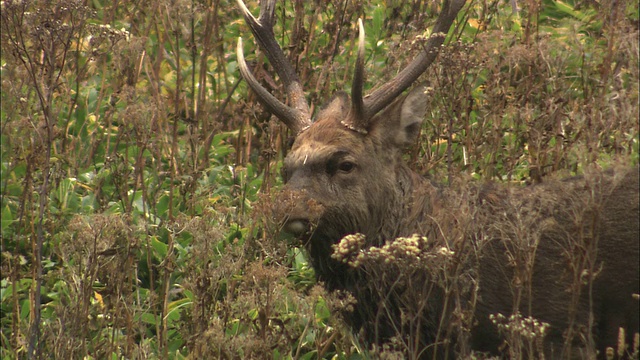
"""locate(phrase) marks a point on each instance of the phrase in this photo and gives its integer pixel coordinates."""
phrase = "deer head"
(344, 173)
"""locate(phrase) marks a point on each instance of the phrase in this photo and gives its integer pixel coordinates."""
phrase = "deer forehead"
(321, 142)
(314, 151)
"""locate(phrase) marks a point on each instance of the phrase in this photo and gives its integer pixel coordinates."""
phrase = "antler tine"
(386, 93)
(288, 115)
(297, 116)
(357, 103)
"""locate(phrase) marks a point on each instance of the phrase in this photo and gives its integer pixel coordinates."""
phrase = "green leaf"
(138, 203)
(377, 19)
(322, 312)
(149, 318)
(6, 219)
(310, 355)
(89, 203)
(162, 206)
(159, 248)
(25, 306)
(173, 311)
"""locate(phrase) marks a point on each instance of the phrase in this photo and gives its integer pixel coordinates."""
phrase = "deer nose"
(296, 227)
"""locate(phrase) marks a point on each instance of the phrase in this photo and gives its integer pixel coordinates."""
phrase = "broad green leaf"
(6, 219)
(159, 248)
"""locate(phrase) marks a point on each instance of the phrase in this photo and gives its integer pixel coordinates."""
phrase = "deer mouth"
(297, 227)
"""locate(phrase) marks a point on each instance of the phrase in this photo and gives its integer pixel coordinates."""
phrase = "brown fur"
(565, 252)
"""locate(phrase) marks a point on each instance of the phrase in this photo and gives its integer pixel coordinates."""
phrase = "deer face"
(341, 181)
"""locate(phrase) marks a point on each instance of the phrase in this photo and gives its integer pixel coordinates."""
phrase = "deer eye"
(339, 162)
(346, 166)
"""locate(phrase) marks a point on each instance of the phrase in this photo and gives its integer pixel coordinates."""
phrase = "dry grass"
(133, 159)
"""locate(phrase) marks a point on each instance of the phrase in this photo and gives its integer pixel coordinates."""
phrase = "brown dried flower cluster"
(527, 327)
(410, 250)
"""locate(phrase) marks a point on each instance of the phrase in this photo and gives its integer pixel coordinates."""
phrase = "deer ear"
(414, 108)
(400, 123)
(336, 106)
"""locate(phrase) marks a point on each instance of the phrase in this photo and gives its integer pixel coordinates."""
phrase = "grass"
(137, 169)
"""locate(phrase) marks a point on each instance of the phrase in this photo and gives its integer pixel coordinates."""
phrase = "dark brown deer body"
(530, 250)
(565, 252)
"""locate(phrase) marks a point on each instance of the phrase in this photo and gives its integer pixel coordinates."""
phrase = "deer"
(549, 269)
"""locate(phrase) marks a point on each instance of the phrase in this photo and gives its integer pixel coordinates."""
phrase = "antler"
(385, 94)
(358, 116)
(297, 116)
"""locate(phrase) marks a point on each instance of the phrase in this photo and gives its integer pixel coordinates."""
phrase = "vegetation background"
(137, 168)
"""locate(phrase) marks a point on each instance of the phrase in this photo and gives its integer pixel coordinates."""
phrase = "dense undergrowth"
(137, 168)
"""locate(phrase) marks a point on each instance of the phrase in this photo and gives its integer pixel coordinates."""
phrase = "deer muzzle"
(297, 212)
(297, 227)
